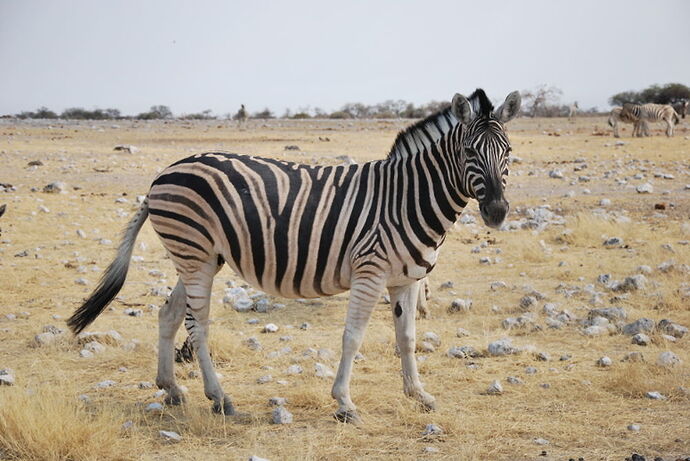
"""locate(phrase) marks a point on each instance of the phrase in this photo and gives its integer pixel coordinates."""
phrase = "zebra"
(241, 116)
(572, 110)
(652, 113)
(681, 107)
(301, 231)
(640, 127)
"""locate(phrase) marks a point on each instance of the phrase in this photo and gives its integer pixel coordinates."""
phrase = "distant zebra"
(681, 107)
(640, 127)
(241, 116)
(572, 110)
(652, 113)
(303, 231)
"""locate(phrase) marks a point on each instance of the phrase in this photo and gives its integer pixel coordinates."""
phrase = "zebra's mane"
(423, 133)
(480, 103)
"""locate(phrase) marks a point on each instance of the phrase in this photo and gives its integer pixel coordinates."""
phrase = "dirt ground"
(578, 408)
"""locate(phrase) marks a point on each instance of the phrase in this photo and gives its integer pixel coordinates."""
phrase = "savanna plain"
(572, 187)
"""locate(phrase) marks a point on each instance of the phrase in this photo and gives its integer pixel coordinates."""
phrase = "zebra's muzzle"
(494, 212)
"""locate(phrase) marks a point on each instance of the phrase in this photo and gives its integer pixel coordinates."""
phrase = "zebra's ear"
(510, 108)
(461, 108)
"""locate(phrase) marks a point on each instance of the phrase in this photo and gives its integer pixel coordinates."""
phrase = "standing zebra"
(640, 127)
(681, 107)
(241, 116)
(652, 113)
(572, 110)
(301, 231)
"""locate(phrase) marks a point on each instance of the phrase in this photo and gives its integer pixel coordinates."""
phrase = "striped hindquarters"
(283, 227)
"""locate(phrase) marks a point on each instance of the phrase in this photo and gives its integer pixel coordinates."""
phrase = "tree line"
(541, 101)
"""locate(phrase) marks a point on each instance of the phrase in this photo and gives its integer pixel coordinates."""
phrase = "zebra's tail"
(114, 276)
(676, 117)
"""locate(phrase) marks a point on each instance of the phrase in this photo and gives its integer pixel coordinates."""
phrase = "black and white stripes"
(303, 231)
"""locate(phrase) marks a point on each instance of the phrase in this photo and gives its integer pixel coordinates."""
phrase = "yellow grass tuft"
(48, 425)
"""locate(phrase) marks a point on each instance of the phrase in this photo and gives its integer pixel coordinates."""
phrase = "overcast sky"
(204, 54)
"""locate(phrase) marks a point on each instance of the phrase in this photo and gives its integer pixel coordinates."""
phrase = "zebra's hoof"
(177, 399)
(226, 408)
(348, 416)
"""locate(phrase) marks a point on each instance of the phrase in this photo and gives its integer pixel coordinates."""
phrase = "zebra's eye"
(470, 152)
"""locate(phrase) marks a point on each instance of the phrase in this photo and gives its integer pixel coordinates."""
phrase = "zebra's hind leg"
(169, 321)
(403, 301)
(423, 299)
(196, 321)
(364, 293)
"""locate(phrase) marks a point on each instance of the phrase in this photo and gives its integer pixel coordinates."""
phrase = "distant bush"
(300, 115)
(204, 115)
(41, 112)
(156, 113)
(78, 113)
(264, 114)
(340, 115)
(666, 94)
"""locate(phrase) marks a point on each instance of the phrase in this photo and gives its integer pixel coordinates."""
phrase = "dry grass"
(583, 412)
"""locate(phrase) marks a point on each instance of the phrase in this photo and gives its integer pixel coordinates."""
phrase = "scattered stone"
(126, 148)
(460, 305)
(155, 406)
(463, 352)
(502, 347)
(106, 383)
(432, 430)
(322, 371)
(514, 380)
(495, 388)
(655, 395)
(45, 338)
(145, 385)
(270, 328)
(611, 313)
(668, 359)
(613, 242)
(641, 339)
(671, 328)
(281, 416)
(294, 369)
(645, 188)
(633, 357)
(277, 401)
(130, 311)
(540, 441)
(110, 338)
(6, 377)
(461, 332)
(531, 370)
(634, 427)
(85, 354)
(605, 202)
(170, 436)
(447, 285)
(55, 187)
(543, 357)
(526, 302)
(604, 362)
(642, 325)
(257, 458)
(432, 338)
(95, 347)
(305, 326)
(556, 174)
(265, 379)
(253, 343)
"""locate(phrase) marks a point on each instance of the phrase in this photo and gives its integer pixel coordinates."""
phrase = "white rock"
(604, 362)
(495, 388)
(502, 347)
(86, 354)
(155, 406)
(95, 347)
(432, 430)
(634, 427)
(655, 395)
(461, 332)
(460, 305)
(322, 371)
(432, 338)
(170, 436)
(668, 359)
(6, 377)
(277, 401)
(645, 188)
(281, 416)
(540, 441)
(270, 328)
(294, 369)
(106, 383)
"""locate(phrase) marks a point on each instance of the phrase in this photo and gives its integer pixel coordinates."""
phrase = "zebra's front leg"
(169, 321)
(403, 301)
(364, 294)
(197, 323)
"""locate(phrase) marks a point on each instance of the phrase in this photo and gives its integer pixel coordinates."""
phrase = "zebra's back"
(284, 227)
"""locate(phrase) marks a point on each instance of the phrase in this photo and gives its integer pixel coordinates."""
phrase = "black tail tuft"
(113, 277)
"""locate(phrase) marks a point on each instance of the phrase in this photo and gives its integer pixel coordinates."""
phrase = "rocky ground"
(562, 336)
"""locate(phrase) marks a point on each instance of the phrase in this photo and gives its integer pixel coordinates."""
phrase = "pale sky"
(205, 54)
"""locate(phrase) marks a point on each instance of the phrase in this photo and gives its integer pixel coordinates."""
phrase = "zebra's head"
(483, 151)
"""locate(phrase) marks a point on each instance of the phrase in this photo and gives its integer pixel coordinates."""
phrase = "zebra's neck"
(426, 154)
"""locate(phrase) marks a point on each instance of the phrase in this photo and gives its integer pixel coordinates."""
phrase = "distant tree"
(41, 112)
(264, 114)
(300, 115)
(356, 110)
(156, 113)
(537, 102)
(339, 115)
(657, 94)
(204, 115)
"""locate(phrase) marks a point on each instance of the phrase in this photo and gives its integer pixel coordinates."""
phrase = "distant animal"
(681, 107)
(241, 115)
(640, 127)
(572, 110)
(303, 231)
(652, 113)
(2, 209)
